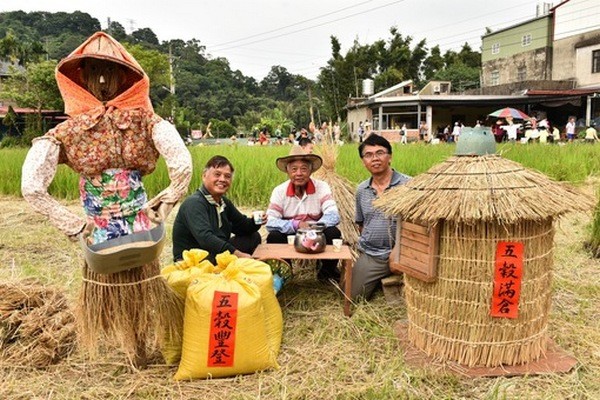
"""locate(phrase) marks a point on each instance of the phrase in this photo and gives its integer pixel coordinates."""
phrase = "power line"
(291, 25)
(316, 25)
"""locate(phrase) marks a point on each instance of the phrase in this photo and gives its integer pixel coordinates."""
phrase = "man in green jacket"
(207, 218)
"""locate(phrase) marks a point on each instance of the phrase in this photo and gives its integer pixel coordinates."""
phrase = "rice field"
(256, 174)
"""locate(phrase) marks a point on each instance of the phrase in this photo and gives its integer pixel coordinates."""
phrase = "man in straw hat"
(377, 232)
(302, 200)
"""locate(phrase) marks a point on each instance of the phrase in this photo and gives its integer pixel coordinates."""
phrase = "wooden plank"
(434, 249)
(414, 227)
(416, 264)
(417, 246)
(286, 251)
(417, 237)
(415, 273)
(406, 252)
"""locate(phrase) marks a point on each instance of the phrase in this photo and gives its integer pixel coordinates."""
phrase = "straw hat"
(297, 153)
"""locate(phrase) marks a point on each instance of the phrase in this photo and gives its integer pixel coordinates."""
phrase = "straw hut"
(465, 208)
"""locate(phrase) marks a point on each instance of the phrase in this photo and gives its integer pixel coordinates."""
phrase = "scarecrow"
(111, 139)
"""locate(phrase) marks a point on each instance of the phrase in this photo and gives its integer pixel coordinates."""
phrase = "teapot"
(310, 240)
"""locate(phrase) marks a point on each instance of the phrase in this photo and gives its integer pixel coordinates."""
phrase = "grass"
(256, 174)
(324, 355)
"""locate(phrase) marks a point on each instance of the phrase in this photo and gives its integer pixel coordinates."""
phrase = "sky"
(254, 35)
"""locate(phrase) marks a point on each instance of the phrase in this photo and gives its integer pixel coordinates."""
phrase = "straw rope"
(450, 318)
(537, 257)
(475, 324)
(120, 284)
(471, 343)
(534, 280)
(511, 239)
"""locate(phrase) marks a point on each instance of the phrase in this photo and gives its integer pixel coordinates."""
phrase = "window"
(522, 73)
(526, 40)
(495, 78)
(496, 48)
(595, 61)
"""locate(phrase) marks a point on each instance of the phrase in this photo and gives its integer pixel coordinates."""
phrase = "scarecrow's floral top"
(101, 140)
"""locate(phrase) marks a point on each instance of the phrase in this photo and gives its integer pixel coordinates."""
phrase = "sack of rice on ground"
(225, 328)
(179, 276)
(260, 273)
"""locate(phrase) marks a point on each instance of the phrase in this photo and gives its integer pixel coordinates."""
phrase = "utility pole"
(355, 82)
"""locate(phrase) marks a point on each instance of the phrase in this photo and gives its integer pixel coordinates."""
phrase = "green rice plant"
(256, 174)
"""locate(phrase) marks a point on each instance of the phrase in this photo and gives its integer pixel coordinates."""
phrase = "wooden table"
(286, 251)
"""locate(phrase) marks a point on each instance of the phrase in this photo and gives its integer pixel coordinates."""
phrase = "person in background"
(263, 140)
(360, 131)
(207, 218)
(456, 132)
(555, 133)
(403, 134)
(591, 135)
(306, 144)
(377, 232)
(570, 129)
(300, 201)
(337, 132)
(423, 131)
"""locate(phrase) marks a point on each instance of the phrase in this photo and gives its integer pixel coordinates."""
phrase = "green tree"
(35, 88)
(461, 76)
(156, 65)
(145, 35)
(117, 31)
(433, 63)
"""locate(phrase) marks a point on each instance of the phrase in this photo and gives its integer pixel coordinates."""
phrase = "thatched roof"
(482, 188)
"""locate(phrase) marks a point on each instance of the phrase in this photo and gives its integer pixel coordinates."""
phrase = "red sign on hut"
(508, 271)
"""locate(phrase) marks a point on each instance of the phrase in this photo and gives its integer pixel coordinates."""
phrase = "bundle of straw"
(37, 328)
(136, 308)
(343, 192)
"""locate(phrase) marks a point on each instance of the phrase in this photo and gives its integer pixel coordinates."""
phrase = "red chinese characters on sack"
(221, 344)
(508, 271)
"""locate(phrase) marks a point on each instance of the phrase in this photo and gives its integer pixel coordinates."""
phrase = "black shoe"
(327, 273)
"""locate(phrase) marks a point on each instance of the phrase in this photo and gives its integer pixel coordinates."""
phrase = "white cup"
(258, 217)
(291, 239)
(337, 244)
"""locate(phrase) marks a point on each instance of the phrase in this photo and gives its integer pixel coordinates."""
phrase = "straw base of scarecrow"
(555, 360)
(134, 308)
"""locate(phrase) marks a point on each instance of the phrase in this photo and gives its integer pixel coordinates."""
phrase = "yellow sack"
(260, 273)
(224, 331)
(179, 276)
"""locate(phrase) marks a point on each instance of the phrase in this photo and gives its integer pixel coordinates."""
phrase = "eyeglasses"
(379, 154)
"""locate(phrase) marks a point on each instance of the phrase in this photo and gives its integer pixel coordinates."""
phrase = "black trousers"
(246, 244)
(328, 267)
